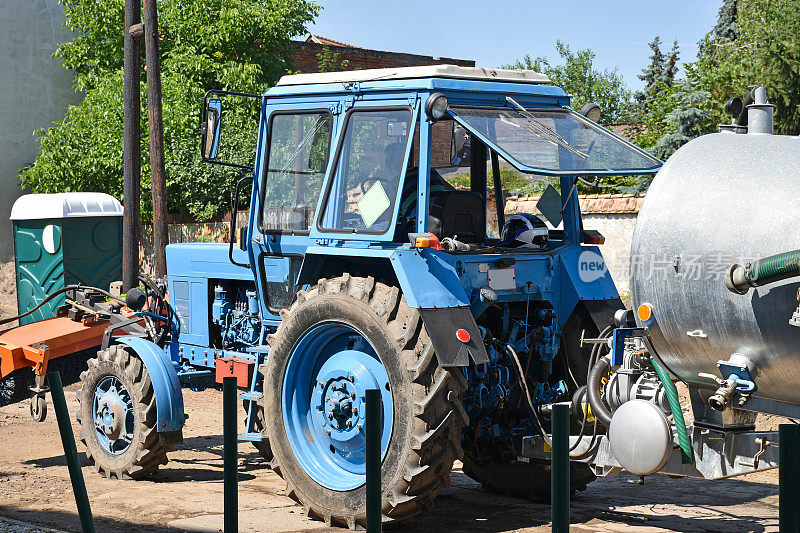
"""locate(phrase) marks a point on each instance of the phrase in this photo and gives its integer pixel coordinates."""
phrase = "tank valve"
(722, 397)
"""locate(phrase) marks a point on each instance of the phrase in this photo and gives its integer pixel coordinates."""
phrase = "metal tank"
(721, 199)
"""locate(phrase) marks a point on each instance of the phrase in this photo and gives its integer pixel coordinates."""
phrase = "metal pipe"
(132, 151)
(230, 454)
(373, 435)
(560, 469)
(789, 477)
(71, 452)
(158, 176)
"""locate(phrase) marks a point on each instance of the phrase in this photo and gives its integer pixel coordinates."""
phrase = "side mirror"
(460, 146)
(211, 129)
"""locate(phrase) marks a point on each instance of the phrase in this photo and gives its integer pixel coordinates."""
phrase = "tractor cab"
(357, 170)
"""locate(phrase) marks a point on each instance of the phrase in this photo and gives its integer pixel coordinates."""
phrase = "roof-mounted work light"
(436, 106)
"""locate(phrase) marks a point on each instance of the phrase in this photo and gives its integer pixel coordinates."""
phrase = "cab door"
(290, 179)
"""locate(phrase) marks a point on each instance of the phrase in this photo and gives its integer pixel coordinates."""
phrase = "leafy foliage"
(241, 45)
(659, 75)
(578, 76)
(763, 49)
(331, 61)
(689, 119)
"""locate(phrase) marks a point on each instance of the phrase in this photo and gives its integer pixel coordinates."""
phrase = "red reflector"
(462, 335)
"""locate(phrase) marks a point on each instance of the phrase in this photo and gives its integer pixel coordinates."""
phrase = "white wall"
(34, 92)
(618, 231)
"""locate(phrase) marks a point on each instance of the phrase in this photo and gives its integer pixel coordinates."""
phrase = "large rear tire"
(343, 336)
(117, 414)
(530, 481)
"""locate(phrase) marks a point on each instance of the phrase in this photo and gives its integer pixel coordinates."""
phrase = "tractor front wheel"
(345, 336)
(117, 414)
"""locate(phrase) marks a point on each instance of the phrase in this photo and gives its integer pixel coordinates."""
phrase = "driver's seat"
(459, 215)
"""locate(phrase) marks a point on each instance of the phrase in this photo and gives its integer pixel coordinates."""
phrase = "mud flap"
(442, 324)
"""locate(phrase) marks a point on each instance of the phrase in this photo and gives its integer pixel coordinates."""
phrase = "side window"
(295, 169)
(368, 170)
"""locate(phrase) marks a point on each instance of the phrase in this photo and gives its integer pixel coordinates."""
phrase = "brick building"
(306, 56)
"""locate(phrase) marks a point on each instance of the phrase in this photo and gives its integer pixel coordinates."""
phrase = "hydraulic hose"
(593, 386)
(53, 295)
(762, 271)
(677, 413)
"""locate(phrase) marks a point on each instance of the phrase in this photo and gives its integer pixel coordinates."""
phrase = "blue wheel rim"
(322, 403)
(113, 415)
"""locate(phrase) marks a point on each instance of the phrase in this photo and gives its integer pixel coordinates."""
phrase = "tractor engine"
(522, 340)
(235, 316)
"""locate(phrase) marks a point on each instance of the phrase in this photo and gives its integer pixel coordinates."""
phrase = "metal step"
(249, 395)
(258, 349)
(251, 437)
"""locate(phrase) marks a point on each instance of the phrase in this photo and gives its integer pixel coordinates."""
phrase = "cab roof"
(408, 73)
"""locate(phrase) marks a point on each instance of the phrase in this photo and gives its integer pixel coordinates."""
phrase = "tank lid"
(65, 205)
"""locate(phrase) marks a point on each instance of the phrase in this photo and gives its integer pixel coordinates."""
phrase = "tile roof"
(590, 204)
(319, 39)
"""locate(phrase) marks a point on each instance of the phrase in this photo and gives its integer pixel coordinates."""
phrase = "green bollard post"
(373, 431)
(789, 478)
(230, 455)
(71, 452)
(560, 469)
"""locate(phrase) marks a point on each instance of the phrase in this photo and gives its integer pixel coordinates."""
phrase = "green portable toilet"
(62, 239)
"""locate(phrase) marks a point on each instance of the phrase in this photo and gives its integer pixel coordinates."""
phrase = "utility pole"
(157, 172)
(132, 152)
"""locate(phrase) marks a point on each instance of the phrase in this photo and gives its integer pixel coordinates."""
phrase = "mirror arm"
(234, 215)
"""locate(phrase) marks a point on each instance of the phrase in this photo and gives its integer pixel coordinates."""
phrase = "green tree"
(579, 77)
(689, 118)
(331, 61)
(725, 29)
(659, 75)
(239, 45)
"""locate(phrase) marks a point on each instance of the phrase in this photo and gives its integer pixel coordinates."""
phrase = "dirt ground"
(186, 495)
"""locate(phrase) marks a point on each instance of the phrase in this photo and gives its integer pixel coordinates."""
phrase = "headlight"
(436, 106)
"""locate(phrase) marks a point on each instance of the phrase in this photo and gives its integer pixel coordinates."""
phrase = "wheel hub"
(325, 386)
(113, 415)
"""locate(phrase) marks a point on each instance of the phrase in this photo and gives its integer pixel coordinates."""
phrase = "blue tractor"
(363, 267)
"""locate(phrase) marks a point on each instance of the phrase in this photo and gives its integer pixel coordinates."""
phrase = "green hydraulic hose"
(762, 271)
(677, 413)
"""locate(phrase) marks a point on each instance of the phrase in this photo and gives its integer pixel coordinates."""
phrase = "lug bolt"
(328, 432)
(330, 416)
(352, 378)
(349, 424)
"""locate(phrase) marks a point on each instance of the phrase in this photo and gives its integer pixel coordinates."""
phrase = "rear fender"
(428, 284)
(167, 387)
(583, 277)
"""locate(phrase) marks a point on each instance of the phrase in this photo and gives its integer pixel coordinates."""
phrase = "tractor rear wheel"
(340, 338)
(117, 414)
(530, 481)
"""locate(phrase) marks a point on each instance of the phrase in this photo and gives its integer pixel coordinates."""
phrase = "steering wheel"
(371, 181)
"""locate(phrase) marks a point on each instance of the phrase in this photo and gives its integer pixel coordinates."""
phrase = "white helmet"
(524, 230)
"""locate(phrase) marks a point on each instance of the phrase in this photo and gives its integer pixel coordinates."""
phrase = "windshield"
(553, 141)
